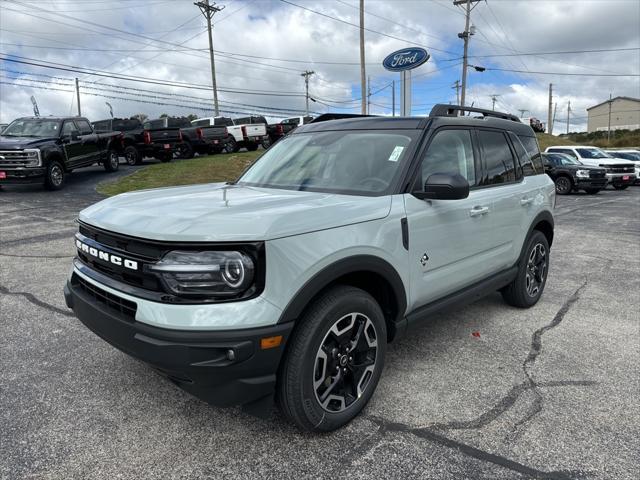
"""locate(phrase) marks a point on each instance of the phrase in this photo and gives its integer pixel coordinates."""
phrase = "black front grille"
(597, 174)
(620, 168)
(113, 302)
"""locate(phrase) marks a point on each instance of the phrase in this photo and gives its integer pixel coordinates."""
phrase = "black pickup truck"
(197, 139)
(44, 150)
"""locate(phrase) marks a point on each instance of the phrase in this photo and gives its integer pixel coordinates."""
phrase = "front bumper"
(619, 178)
(591, 182)
(197, 361)
(21, 176)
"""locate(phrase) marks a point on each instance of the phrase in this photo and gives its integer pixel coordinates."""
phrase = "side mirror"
(444, 186)
(74, 135)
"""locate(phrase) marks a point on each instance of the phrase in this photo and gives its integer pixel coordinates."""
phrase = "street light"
(477, 68)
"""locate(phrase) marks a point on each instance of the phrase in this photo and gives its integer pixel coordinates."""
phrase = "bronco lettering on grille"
(106, 256)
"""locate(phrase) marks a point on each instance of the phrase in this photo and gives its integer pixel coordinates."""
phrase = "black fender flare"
(329, 274)
(544, 217)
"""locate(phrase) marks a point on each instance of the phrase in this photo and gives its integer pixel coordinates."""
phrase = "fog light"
(231, 355)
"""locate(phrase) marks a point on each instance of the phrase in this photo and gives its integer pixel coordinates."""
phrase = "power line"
(366, 29)
(571, 74)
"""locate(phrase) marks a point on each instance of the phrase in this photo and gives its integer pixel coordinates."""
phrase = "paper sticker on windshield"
(395, 155)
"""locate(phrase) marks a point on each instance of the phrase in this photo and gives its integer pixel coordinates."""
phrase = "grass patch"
(545, 140)
(209, 169)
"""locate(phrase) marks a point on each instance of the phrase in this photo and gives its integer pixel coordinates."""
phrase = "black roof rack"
(337, 116)
(442, 110)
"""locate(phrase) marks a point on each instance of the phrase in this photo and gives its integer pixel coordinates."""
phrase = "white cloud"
(269, 28)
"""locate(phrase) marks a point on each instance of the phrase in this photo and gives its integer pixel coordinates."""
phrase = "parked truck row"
(45, 149)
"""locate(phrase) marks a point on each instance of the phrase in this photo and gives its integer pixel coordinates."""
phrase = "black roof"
(410, 123)
(51, 117)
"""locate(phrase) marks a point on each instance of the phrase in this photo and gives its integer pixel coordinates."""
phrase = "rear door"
(90, 147)
(503, 180)
(451, 242)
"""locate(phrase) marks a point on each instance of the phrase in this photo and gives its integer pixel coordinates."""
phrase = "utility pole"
(368, 95)
(393, 98)
(609, 125)
(363, 73)
(555, 110)
(465, 36)
(78, 97)
(550, 111)
(568, 114)
(522, 112)
(209, 11)
(494, 97)
(457, 87)
(306, 75)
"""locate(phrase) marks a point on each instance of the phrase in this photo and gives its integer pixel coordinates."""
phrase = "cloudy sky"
(263, 46)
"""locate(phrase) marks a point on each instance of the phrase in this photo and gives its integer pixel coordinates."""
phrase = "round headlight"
(233, 273)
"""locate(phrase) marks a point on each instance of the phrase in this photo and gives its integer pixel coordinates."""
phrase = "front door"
(451, 242)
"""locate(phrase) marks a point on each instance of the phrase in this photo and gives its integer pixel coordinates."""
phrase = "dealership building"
(625, 115)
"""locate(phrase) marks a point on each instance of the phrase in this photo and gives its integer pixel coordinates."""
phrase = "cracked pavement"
(550, 392)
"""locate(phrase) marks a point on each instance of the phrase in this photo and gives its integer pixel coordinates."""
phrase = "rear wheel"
(564, 185)
(592, 191)
(132, 155)
(54, 177)
(252, 147)
(185, 150)
(527, 287)
(621, 187)
(166, 157)
(333, 361)
(112, 162)
(231, 146)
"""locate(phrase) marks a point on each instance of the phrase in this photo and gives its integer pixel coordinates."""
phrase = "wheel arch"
(543, 222)
(370, 273)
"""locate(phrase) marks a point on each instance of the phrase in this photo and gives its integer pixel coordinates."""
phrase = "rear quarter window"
(534, 164)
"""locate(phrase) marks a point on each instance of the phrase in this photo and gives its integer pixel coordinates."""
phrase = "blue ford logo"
(405, 59)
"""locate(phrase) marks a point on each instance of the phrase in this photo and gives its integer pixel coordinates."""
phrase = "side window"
(534, 166)
(450, 151)
(499, 165)
(101, 126)
(521, 153)
(85, 128)
(68, 127)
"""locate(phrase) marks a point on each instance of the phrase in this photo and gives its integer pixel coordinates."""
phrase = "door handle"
(477, 211)
(526, 201)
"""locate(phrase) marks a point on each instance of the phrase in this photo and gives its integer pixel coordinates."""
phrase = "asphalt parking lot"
(485, 392)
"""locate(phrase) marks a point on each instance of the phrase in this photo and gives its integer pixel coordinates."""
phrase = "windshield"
(592, 153)
(562, 159)
(352, 162)
(32, 128)
(626, 155)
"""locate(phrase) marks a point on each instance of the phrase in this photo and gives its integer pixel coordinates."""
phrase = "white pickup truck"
(247, 136)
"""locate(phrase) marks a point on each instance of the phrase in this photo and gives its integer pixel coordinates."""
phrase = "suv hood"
(226, 213)
(16, 143)
(604, 161)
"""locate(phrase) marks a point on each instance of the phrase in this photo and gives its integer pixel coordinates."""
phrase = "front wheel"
(333, 361)
(527, 287)
(231, 146)
(564, 185)
(54, 177)
(166, 157)
(621, 187)
(112, 162)
(591, 191)
(185, 150)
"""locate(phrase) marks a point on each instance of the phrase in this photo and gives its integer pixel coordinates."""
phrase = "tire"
(231, 146)
(185, 150)
(621, 187)
(54, 176)
(132, 155)
(564, 185)
(351, 313)
(266, 143)
(112, 162)
(592, 191)
(527, 287)
(252, 147)
(166, 157)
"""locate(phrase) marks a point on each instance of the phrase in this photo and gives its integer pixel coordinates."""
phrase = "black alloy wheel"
(563, 185)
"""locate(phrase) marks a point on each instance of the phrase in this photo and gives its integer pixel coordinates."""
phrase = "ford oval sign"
(405, 59)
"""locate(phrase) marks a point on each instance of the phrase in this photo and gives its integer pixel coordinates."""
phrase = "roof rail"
(442, 110)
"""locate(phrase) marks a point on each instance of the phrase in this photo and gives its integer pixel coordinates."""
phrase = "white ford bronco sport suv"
(290, 282)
